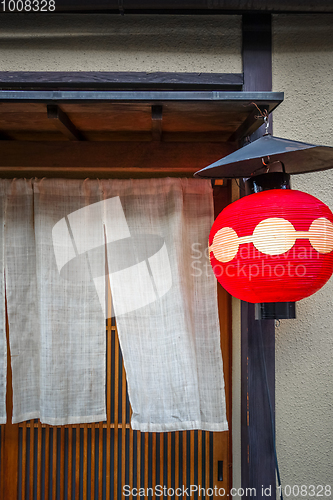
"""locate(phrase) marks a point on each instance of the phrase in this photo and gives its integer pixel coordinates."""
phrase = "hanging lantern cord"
(267, 165)
(263, 115)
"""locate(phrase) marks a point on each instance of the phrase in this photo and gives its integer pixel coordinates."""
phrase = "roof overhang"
(123, 133)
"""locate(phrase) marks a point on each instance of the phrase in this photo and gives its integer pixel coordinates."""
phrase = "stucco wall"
(302, 69)
(120, 43)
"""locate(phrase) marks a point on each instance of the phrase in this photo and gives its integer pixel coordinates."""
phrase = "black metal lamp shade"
(298, 158)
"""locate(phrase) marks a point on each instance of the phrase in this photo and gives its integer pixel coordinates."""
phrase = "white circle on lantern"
(274, 236)
(225, 244)
(321, 235)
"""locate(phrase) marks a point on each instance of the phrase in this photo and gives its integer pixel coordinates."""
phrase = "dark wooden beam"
(271, 99)
(258, 465)
(110, 159)
(249, 125)
(192, 6)
(257, 57)
(120, 80)
(156, 122)
(63, 123)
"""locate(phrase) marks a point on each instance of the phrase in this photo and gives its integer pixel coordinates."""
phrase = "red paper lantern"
(273, 246)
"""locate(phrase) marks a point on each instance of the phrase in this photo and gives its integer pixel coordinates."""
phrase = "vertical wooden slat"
(77, 462)
(24, 458)
(100, 460)
(192, 457)
(10, 462)
(39, 459)
(116, 410)
(153, 453)
(108, 456)
(207, 460)
(123, 428)
(70, 462)
(200, 458)
(108, 394)
(161, 479)
(93, 458)
(177, 485)
(31, 460)
(47, 461)
(62, 461)
(54, 463)
(184, 433)
(85, 461)
(146, 477)
(138, 459)
(131, 459)
(169, 459)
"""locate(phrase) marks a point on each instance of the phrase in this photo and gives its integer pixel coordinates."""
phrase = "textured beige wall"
(120, 43)
(302, 68)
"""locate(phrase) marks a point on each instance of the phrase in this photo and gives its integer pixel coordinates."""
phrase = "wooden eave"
(123, 133)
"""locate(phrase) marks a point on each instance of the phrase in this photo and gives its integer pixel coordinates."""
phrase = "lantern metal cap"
(298, 158)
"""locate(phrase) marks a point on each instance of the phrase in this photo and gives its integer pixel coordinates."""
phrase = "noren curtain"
(63, 240)
(56, 329)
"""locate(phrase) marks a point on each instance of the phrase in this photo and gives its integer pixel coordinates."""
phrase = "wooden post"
(258, 466)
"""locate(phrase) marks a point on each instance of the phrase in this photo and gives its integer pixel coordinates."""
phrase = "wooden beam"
(257, 58)
(93, 159)
(129, 96)
(248, 126)
(193, 7)
(156, 122)
(63, 123)
(258, 466)
(120, 79)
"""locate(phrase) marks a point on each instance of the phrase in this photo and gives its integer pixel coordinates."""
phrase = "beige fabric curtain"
(57, 329)
(166, 311)
(64, 239)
